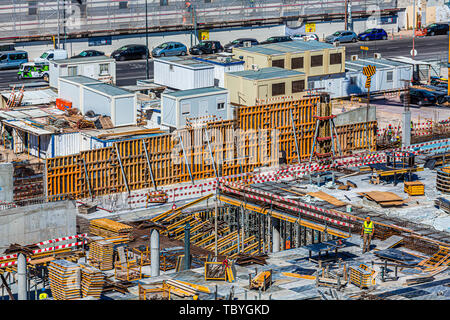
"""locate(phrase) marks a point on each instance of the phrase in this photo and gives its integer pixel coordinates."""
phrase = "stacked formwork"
(220, 148)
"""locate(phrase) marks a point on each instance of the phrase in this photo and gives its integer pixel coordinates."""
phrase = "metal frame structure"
(25, 19)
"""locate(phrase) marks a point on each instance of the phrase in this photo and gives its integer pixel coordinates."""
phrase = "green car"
(33, 70)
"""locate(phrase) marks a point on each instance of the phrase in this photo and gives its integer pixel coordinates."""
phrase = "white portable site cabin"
(183, 73)
(181, 106)
(100, 68)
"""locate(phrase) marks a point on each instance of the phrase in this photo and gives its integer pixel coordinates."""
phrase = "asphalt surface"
(127, 72)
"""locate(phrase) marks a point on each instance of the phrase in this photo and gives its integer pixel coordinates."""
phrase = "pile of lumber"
(92, 281)
(101, 254)
(246, 259)
(109, 228)
(184, 289)
(328, 198)
(262, 280)
(64, 280)
(383, 198)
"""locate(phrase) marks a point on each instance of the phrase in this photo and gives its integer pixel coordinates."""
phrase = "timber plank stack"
(92, 281)
(101, 254)
(109, 228)
(64, 280)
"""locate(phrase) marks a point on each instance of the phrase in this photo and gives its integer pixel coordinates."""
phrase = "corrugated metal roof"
(191, 92)
(380, 64)
(108, 89)
(25, 126)
(289, 46)
(80, 79)
(83, 60)
(185, 62)
(34, 97)
(266, 73)
(215, 60)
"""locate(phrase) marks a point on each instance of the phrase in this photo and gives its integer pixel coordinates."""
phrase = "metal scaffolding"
(25, 19)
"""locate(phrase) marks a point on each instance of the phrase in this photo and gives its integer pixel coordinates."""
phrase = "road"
(436, 47)
(427, 47)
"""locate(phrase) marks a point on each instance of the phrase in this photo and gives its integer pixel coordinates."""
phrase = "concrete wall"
(356, 116)
(6, 182)
(36, 223)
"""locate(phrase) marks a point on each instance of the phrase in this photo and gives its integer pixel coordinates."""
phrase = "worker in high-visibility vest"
(367, 233)
(43, 295)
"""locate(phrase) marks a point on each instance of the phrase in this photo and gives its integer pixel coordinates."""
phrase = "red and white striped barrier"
(12, 256)
(83, 235)
(265, 193)
(288, 207)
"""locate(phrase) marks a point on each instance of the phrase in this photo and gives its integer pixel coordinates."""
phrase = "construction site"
(243, 211)
(280, 171)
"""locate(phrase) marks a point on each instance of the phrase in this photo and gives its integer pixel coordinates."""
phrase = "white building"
(100, 68)
(181, 106)
(183, 73)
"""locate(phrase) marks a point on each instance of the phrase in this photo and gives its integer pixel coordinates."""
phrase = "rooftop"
(290, 46)
(220, 60)
(380, 64)
(185, 62)
(266, 73)
(83, 60)
(108, 89)
(191, 92)
(80, 79)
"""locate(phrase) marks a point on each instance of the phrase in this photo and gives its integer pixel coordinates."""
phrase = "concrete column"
(275, 235)
(22, 276)
(406, 128)
(154, 252)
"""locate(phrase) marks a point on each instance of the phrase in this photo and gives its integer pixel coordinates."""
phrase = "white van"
(53, 54)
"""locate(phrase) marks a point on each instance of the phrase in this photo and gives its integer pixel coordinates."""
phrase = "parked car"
(373, 34)
(89, 53)
(7, 47)
(130, 52)
(276, 39)
(169, 49)
(33, 70)
(440, 92)
(420, 97)
(239, 43)
(206, 46)
(12, 59)
(306, 37)
(342, 36)
(52, 54)
(436, 28)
